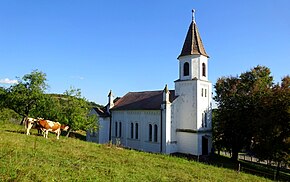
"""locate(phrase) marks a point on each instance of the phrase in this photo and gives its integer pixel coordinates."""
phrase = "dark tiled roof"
(193, 44)
(148, 100)
(102, 111)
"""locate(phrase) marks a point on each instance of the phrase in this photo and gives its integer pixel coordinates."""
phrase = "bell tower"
(193, 89)
(193, 59)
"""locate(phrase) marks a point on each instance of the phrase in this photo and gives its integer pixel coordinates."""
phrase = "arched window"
(186, 69)
(120, 129)
(203, 69)
(150, 132)
(132, 130)
(136, 131)
(155, 133)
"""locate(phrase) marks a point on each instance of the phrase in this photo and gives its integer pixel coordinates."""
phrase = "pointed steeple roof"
(193, 44)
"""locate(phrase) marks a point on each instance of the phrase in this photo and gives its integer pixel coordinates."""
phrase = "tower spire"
(193, 44)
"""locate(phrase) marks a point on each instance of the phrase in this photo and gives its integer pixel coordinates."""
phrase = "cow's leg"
(29, 126)
(45, 133)
(57, 134)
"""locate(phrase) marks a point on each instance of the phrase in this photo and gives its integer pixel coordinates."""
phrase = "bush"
(9, 116)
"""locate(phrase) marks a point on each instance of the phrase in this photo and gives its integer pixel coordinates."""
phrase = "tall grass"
(34, 158)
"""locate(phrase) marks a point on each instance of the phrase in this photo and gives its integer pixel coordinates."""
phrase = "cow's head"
(64, 127)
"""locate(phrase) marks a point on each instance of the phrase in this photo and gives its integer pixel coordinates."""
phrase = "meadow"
(34, 158)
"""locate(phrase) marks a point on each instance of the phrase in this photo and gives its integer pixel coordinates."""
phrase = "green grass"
(34, 158)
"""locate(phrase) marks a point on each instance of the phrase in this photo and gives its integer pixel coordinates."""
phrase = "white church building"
(164, 121)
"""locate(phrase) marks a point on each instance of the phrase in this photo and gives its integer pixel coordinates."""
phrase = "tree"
(216, 132)
(23, 97)
(237, 98)
(271, 140)
(75, 111)
(48, 107)
(2, 97)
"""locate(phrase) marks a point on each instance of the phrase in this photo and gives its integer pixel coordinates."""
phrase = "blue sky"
(132, 45)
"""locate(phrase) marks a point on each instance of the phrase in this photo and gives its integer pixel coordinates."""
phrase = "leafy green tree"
(48, 107)
(230, 129)
(75, 111)
(237, 99)
(271, 140)
(23, 97)
(2, 97)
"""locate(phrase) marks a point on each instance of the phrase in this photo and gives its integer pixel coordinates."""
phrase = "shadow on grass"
(257, 169)
(75, 135)
(17, 131)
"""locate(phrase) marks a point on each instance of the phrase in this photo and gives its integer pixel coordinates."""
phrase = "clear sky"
(132, 45)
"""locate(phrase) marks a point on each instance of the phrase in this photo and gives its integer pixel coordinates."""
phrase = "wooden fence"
(246, 157)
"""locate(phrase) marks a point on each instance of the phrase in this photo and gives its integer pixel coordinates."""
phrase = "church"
(164, 121)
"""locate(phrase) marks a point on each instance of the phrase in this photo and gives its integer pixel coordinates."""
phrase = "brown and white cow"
(32, 123)
(29, 122)
(55, 127)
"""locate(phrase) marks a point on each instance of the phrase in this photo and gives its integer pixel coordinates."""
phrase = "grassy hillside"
(34, 158)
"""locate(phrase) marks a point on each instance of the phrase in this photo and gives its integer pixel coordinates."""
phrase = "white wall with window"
(135, 129)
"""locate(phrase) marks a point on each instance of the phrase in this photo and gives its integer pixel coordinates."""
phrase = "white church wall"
(173, 148)
(102, 134)
(195, 64)
(104, 128)
(142, 118)
(117, 118)
(185, 104)
(204, 93)
(187, 143)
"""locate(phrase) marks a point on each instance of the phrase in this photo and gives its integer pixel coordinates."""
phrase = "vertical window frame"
(205, 119)
(120, 129)
(116, 129)
(150, 132)
(136, 131)
(132, 130)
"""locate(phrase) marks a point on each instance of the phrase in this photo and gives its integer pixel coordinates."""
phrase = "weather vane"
(193, 15)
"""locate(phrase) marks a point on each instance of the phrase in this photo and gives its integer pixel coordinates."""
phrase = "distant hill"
(91, 103)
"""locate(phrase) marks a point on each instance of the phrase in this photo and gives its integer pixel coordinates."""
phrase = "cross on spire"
(193, 15)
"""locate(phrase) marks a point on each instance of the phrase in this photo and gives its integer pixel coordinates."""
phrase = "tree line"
(253, 115)
(27, 98)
